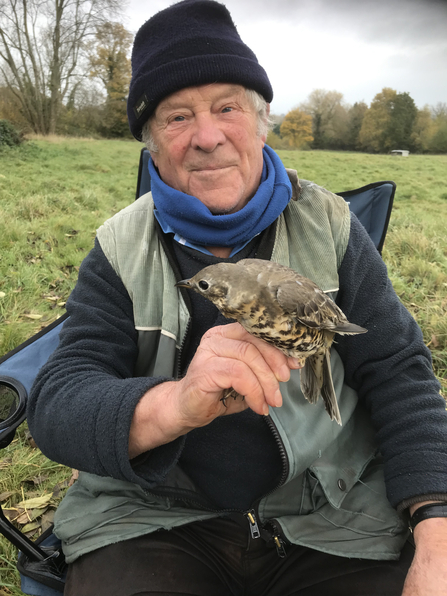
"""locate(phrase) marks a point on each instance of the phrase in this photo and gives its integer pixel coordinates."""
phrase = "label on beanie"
(141, 105)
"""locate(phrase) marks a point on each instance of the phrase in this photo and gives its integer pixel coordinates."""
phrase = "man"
(180, 494)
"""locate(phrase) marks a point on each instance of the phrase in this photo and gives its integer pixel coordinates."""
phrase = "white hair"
(257, 101)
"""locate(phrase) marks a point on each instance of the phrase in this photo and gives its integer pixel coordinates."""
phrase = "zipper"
(253, 523)
(178, 367)
(275, 534)
(252, 515)
(280, 546)
(283, 454)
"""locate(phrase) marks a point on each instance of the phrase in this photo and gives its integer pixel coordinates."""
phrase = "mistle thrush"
(285, 309)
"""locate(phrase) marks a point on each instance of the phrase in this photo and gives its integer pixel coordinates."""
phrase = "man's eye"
(179, 119)
(227, 109)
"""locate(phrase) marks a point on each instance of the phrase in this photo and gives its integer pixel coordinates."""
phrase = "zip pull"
(280, 546)
(254, 528)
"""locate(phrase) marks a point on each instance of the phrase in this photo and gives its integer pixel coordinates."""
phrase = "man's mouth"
(210, 168)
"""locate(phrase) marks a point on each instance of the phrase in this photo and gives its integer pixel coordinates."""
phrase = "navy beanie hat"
(193, 42)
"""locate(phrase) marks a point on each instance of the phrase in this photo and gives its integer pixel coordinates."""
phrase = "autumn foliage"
(297, 129)
(392, 121)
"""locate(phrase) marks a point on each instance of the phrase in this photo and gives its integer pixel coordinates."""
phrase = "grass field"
(53, 196)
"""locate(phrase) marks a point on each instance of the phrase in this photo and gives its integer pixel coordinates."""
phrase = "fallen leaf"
(39, 479)
(65, 483)
(36, 503)
(12, 513)
(29, 516)
(434, 341)
(2, 294)
(61, 303)
(59, 487)
(4, 496)
(47, 519)
(33, 316)
(74, 477)
(31, 527)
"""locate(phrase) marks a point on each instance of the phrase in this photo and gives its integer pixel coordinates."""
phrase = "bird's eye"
(203, 285)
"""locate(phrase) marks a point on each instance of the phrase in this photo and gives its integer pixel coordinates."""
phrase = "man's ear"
(267, 114)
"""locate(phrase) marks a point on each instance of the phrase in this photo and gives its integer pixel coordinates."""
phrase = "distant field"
(53, 196)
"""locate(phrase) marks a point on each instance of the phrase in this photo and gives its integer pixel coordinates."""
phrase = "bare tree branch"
(44, 54)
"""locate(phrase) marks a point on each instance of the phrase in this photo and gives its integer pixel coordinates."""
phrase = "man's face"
(208, 145)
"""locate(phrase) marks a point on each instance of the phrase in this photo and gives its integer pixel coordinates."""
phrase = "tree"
(42, 51)
(388, 124)
(109, 62)
(422, 130)
(438, 141)
(296, 128)
(400, 126)
(356, 114)
(10, 108)
(329, 118)
(275, 141)
(376, 121)
(440, 110)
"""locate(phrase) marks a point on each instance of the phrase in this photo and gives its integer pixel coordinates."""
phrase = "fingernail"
(265, 410)
(295, 363)
(278, 399)
(284, 374)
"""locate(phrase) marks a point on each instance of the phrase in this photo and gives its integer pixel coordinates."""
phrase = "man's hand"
(227, 357)
(427, 575)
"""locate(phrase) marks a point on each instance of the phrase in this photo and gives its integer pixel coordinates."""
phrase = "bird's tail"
(347, 328)
(316, 379)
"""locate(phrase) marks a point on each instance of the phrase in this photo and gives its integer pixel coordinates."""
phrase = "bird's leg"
(230, 393)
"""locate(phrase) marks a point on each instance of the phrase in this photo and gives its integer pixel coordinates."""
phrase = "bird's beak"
(184, 283)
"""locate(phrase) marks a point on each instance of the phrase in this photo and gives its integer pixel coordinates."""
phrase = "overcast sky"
(356, 47)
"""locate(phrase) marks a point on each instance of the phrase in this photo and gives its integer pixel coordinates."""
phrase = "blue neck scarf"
(189, 218)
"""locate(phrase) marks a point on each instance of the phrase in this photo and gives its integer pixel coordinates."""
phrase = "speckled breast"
(270, 323)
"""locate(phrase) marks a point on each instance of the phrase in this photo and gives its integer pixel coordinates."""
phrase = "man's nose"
(207, 134)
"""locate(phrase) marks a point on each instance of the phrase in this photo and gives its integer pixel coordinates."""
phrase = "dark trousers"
(219, 558)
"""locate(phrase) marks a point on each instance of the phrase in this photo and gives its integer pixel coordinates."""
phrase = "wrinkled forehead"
(189, 97)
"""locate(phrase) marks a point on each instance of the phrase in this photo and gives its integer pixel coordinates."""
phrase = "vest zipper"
(282, 452)
(253, 523)
(252, 514)
(275, 535)
(178, 367)
(280, 546)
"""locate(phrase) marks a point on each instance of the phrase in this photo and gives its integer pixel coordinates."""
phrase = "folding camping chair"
(41, 563)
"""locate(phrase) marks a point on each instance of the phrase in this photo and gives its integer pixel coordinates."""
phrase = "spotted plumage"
(285, 309)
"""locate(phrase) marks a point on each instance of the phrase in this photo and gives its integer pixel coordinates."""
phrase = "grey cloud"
(406, 22)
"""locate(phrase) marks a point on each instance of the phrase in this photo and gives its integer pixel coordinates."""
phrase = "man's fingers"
(275, 359)
(251, 378)
(229, 357)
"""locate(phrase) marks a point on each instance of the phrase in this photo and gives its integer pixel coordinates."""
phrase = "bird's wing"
(310, 305)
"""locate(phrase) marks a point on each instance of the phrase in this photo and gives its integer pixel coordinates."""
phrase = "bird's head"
(212, 283)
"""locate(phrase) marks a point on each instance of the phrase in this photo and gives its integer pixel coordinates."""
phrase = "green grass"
(53, 196)
(415, 250)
